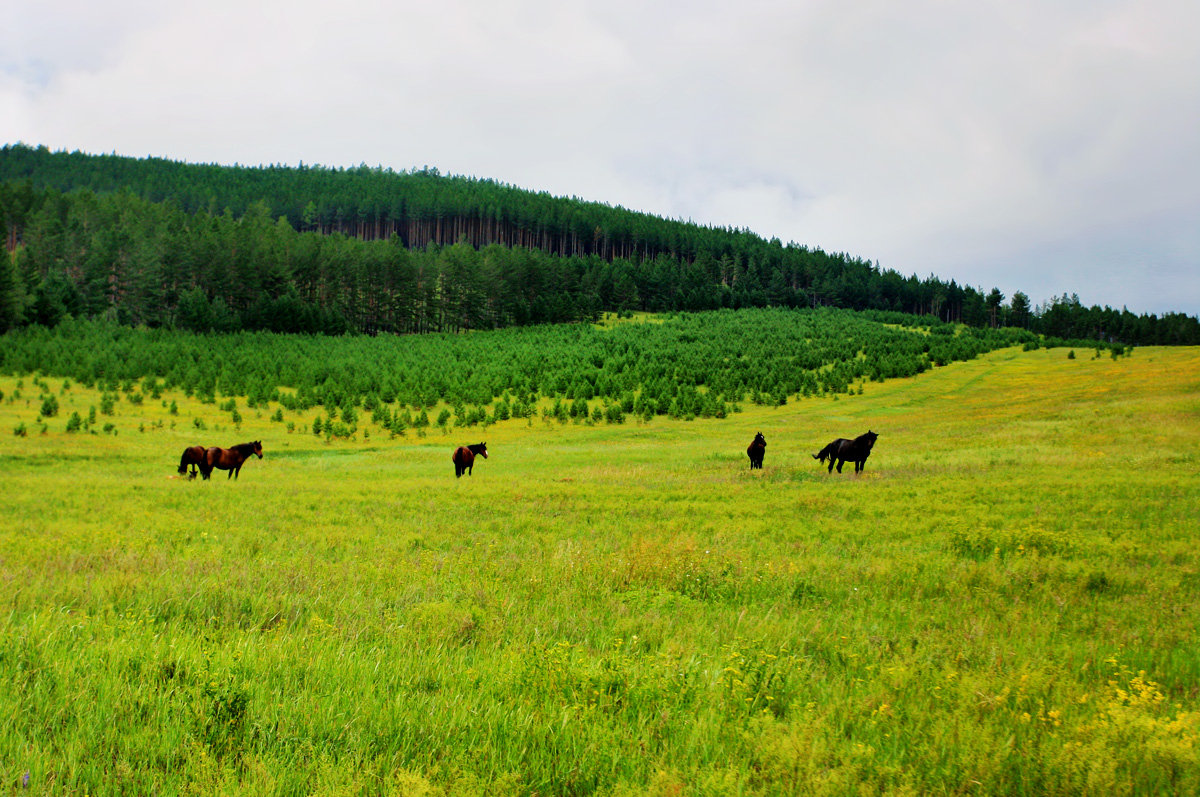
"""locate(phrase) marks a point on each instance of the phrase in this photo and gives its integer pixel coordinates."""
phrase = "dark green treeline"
(683, 365)
(310, 249)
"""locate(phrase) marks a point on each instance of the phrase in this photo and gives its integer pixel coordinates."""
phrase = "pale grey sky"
(1048, 147)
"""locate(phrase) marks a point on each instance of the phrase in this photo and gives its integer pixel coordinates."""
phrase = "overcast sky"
(1047, 147)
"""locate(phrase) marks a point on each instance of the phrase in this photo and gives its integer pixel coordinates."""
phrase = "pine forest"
(156, 243)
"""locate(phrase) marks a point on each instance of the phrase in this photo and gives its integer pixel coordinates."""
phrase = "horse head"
(480, 449)
(257, 444)
(760, 440)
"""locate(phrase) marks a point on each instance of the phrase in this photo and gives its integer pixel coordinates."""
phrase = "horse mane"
(243, 448)
(867, 440)
(475, 449)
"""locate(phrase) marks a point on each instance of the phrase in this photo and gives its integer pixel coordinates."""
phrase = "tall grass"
(1003, 603)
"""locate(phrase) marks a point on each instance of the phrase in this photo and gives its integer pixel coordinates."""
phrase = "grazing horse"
(843, 450)
(756, 450)
(230, 459)
(464, 458)
(193, 456)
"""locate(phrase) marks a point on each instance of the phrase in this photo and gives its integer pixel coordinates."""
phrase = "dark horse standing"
(193, 456)
(230, 459)
(756, 450)
(464, 458)
(843, 450)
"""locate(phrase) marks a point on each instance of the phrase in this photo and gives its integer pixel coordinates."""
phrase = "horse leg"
(841, 462)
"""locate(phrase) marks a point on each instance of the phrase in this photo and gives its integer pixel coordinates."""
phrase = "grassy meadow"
(1004, 602)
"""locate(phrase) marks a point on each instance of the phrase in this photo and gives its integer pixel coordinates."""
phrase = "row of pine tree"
(310, 249)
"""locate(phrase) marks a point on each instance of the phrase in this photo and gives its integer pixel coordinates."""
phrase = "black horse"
(230, 459)
(756, 450)
(193, 456)
(464, 458)
(843, 450)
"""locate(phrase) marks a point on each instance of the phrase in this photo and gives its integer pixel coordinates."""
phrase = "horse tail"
(183, 462)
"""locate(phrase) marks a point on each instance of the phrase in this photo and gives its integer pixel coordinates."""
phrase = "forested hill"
(420, 207)
(162, 243)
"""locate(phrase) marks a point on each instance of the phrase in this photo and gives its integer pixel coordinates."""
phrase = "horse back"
(836, 449)
(223, 458)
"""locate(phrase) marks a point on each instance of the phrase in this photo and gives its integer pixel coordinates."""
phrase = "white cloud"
(997, 143)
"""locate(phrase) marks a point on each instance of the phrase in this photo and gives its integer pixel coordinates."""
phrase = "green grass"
(1003, 603)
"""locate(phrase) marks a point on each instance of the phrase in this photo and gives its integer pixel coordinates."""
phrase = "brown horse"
(229, 459)
(756, 450)
(843, 451)
(193, 456)
(464, 458)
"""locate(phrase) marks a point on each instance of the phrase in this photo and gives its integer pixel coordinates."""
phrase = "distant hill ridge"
(160, 242)
(370, 203)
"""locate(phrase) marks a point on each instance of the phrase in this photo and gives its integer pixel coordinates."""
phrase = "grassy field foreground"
(1005, 602)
